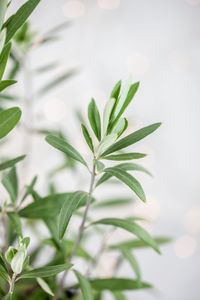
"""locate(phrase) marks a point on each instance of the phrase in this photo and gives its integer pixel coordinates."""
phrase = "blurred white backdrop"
(158, 43)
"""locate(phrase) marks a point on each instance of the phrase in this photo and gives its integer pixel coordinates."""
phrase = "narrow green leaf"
(29, 188)
(94, 118)
(47, 207)
(44, 285)
(107, 114)
(139, 244)
(4, 58)
(19, 18)
(10, 163)
(6, 83)
(3, 8)
(16, 223)
(133, 262)
(85, 286)
(111, 203)
(116, 90)
(117, 284)
(55, 82)
(126, 167)
(87, 137)
(68, 209)
(4, 274)
(119, 296)
(2, 39)
(125, 156)
(132, 227)
(10, 182)
(65, 147)
(131, 93)
(132, 138)
(45, 271)
(128, 179)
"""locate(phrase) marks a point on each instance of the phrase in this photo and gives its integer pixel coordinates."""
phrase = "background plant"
(19, 279)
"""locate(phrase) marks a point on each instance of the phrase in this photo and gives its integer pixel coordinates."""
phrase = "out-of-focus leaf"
(128, 179)
(65, 147)
(126, 167)
(139, 244)
(10, 163)
(44, 285)
(119, 296)
(8, 297)
(94, 118)
(125, 156)
(46, 271)
(111, 203)
(5, 83)
(4, 274)
(133, 228)
(3, 8)
(57, 81)
(19, 18)
(117, 284)
(2, 38)
(16, 223)
(4, 58)
(132, 138)
(10, 182)
(85, 286)
(133, 262)
(47, 207)
(68, 209)
(47, 67)
(87, 137)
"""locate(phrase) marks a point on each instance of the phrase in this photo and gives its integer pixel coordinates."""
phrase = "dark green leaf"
(132, 138)
(117, 284)
(87, 137)
(119, 296)
(94, 118)
(4, 58)
(10, 182)
(85, 286)
(19, 18)
(116, 90)
(131, 93)
(6, 83)
(131, 227)
(65, 147)
(126, 167)
(47, 207)
(68, 209)
(125, 156)
(10, 163)
(45, 271)
(128, 179)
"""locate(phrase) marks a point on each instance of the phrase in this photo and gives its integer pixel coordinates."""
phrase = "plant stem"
(82, 226)
(12, 284)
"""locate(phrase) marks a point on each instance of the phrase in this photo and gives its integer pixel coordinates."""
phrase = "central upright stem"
(82, 226)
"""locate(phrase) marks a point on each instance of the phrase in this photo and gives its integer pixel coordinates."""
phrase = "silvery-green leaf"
(107, 113)
(18, 260)
(44, 285)
(106, 143)
(10, 253)
(120, 126)
(124, 91)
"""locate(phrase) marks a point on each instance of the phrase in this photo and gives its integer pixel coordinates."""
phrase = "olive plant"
(107, 141)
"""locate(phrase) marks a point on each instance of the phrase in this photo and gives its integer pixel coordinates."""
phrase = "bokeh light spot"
(74, 9)
(185, 246)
